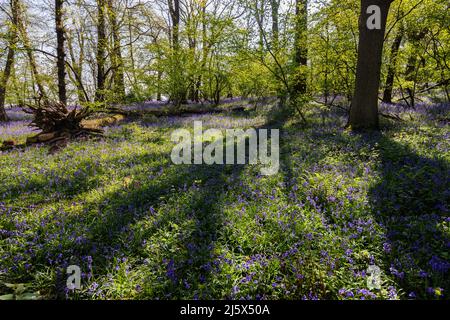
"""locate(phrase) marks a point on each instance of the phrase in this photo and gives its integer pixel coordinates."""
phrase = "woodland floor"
(143, 228)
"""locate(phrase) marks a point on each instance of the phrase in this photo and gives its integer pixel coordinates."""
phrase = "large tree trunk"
(387, 95)
(299, 86)
(101, 51)
(61, 54)
(117, 60)
(364, 111)
(12, 35)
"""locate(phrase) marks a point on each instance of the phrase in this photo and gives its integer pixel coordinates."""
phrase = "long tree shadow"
(105, 227)
(95, 236)
(190, 262)
(408, 198)
(411, 202)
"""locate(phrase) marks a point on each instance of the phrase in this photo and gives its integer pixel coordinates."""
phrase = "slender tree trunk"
(77, 66)
(260, 4)
(61, 54)
(299, 86)
(205, 53)
(175, 13)
(158, 93)
(275, 4)
(101, 51)
(22, 27)
(412, 66)
(326, 71)
(118, 70)
(410, 76)
(192, 27)
(387, 95)
(12, 35)
(364, 111)
(131, 49)
(178, 92)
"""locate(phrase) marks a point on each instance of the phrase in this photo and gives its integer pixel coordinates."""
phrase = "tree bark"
(22, 28)
(364, 111)
(130, 20)
(412, 65)
(117, 60)
(12, 35)
(387, 95)
(101, 51)
(301, 50)
(260, 11)
(178, 95)
(61, 54)
(77, 65)
(174, 8)
(275, 4)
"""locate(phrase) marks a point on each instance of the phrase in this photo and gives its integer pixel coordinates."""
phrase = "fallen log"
(58, 125)
(172, 112)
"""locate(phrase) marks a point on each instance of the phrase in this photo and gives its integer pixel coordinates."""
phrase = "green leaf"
(28, 296)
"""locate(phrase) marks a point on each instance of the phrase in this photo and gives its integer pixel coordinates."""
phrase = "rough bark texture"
(61, 54)
(4, 79)
(178, 95)
(275, 4)
(301, 50)
(58, 125)
(174, 8)
(364, 111)
(117, 60)
(101, 51)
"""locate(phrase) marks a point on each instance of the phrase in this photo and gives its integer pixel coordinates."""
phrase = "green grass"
(143, 228)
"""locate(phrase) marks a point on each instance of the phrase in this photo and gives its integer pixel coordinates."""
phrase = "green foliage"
(143, 228)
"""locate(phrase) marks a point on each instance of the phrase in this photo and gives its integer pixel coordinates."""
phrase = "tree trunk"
(77, 65)
(101, 51)
(260, 15)
(387, 95)
(12, 35)
(158, 89)
(118, 72)
(192, 24)
(174, 8)
(299, 86)
(22, 28)
(61, 60)
(412, 66)
(275, 4)
(130, 20)
(178, 95)
(364, 111)
(205, 52)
